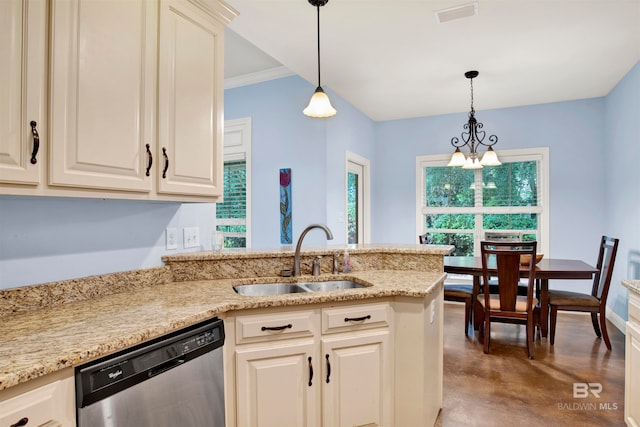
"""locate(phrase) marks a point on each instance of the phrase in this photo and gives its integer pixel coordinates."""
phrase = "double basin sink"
(267, 289)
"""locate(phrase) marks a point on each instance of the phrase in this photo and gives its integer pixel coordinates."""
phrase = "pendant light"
(473, 138)
(319, 105)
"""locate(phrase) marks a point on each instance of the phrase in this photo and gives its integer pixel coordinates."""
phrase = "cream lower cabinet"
(46, 402)
(292, 374)
(275, 386)
(632, 363)
(357, 380)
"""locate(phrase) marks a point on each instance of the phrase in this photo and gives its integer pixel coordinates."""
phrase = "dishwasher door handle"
(166, 366)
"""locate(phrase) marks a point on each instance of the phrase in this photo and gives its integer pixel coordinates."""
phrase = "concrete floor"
(505, 388)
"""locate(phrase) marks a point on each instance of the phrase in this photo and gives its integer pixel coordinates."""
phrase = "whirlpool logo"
(115, 374)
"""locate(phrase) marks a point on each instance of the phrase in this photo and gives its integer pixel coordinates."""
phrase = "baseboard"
(617, 321)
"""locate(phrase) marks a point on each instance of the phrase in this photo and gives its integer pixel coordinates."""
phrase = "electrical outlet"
(172, 238)
(191, 237)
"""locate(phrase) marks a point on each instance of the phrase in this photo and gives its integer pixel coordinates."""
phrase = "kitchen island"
(48, 329)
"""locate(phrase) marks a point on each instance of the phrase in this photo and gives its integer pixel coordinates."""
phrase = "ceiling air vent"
(457, 12)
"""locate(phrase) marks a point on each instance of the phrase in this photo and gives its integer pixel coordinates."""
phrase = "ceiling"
(391, 59)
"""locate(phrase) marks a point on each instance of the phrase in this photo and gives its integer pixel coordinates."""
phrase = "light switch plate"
(172, 238)
(191, 237)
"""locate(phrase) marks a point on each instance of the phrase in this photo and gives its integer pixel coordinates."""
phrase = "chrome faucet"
(296, 258)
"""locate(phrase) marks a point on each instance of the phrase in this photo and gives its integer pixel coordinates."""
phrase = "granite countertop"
(36, 342)
(632, 285)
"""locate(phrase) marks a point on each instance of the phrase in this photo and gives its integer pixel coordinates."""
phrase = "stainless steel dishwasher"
(174, 380)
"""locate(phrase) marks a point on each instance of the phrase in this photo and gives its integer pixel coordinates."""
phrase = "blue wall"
(574, 133)
(621, 153)
(314, 149)
(595, 183)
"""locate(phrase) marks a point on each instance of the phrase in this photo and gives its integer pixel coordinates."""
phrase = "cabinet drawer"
(270, 326)
(355, 317)
(634, 309)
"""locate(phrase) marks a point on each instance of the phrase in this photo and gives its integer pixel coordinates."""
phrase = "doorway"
(357, 199)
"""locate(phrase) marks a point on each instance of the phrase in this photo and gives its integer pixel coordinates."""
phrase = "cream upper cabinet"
(23, 29)
(134, 108)
(190, 105)
(103, 92)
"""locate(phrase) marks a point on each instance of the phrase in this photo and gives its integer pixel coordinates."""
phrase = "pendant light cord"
(318, 8)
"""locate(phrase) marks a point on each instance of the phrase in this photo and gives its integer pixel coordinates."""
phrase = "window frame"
(539, 154)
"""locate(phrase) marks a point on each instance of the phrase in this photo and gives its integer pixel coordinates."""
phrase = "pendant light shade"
(319, 105)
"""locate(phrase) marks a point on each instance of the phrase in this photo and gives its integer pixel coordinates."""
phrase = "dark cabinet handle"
(166, 162)
(357, 319)
(276, 328)
(328, 367)
(36, 146)
(25, 420)
(310, 372)
(149, 159)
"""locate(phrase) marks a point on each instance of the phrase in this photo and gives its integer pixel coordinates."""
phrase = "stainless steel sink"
(266, 289)
(331, 285)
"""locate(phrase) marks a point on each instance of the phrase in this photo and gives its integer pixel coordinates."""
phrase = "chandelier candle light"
(319, 106)
(473, 137)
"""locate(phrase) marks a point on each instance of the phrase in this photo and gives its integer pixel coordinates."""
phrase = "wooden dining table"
(547, 268)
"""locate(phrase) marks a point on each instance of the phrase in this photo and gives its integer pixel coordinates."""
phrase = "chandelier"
(473, 137)
(319, 105)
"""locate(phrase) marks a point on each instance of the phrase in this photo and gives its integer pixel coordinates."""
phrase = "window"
(233, 215)
(457, 206)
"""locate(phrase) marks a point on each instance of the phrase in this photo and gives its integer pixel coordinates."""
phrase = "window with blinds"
(458, 206)
(231, 215)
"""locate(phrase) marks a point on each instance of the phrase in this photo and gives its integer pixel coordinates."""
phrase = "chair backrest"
(503, 236)
(508, 271)
(424, 239)
(606, 261)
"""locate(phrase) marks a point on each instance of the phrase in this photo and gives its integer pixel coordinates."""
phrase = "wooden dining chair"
(507, 236)
(594, 303)
(458, 292)
(502, 236)
(506, 305)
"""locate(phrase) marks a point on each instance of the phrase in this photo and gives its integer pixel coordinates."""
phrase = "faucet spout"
(296, 258)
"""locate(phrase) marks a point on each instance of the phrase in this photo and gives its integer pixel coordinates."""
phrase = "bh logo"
(582, 390)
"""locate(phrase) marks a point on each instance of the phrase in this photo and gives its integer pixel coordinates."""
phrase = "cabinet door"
(190, 101)
(52, 405)
(632, 368)
(22, 89)
(357, 381)
(103, 85)
(277, 386)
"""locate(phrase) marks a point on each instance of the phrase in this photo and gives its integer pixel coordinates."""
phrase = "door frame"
(366, 194)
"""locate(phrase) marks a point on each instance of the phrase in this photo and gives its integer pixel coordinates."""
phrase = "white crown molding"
(257, 77)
